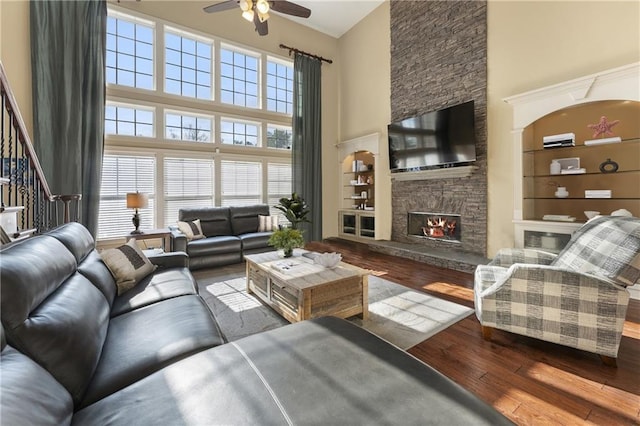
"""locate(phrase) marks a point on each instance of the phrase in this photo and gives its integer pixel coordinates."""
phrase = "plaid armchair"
(577, 298)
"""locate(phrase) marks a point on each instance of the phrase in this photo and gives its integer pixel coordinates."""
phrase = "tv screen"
(444, 138)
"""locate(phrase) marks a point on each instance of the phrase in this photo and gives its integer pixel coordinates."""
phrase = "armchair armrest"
(510, 256)
(178, 241)
(170, 260)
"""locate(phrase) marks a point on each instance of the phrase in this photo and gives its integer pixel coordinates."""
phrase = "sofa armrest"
(178, 241)
(176, 259)
(510, 256)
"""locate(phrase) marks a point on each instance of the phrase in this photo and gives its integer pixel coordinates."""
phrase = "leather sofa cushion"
(255, 240)
(213, 245)
(324, 371)
(60, 318)
(147, 339)
(161, 285)
(97, 272)
(244, 219)
(215, 386)
(76, 238)
(215, 261)
(214, 221)
(30, 395)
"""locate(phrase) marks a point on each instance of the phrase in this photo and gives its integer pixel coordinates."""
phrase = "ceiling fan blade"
(222, 6)
(261, 27)
(289, 8)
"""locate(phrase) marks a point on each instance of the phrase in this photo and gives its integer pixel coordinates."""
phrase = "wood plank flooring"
(530, 381)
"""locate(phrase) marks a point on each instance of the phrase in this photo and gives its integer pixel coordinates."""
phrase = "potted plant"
(286, 239)
(295, 209)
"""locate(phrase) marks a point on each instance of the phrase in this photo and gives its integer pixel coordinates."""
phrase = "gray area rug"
(397, 314)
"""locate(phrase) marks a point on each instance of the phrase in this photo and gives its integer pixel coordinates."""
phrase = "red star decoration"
(603, 128)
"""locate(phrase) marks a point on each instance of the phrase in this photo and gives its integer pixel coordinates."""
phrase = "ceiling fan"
(257, 11)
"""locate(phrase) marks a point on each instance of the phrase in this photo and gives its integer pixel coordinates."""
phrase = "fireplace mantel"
(449, 172)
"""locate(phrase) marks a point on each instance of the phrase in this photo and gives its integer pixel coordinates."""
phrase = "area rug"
(397, 314)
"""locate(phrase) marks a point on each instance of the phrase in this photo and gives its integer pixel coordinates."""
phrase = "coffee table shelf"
(307, 290)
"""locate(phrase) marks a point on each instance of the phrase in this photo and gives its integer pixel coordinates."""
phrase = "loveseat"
(77, 353)
(230, 233)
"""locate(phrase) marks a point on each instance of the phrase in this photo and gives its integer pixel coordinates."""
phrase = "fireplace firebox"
(435, 226)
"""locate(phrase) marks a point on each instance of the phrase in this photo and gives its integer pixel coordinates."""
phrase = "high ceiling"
(335, 17)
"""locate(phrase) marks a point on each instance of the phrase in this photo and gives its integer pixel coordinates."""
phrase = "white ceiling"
(334, 17)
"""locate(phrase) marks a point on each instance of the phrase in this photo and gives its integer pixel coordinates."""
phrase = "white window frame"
(163, 103)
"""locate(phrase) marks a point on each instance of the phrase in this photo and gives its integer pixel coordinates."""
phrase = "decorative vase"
(288, 252)
(555, 167)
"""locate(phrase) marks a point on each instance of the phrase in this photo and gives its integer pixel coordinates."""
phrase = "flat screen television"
(438, 139)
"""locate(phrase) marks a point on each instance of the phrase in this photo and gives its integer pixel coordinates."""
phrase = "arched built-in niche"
(612, 90)
(365, 149)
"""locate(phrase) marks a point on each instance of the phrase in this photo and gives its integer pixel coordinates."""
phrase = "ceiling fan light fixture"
(245, 5)
(262, 6)
(248, 15)
(263, 16)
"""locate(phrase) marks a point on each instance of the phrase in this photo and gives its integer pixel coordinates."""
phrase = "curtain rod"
(293, 49)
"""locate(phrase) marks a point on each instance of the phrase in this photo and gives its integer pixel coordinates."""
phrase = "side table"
(163, 233)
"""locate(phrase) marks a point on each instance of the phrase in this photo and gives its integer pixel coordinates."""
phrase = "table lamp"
(137, 200)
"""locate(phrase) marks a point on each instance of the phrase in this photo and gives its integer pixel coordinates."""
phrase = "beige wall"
(364, 66)
(536, 44)
(15, 53)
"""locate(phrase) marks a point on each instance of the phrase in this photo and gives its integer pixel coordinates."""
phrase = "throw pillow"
(192, 229)
(127, 264)
(267, 223)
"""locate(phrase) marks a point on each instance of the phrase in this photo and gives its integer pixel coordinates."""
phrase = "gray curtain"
(68, 42)
(307, 140)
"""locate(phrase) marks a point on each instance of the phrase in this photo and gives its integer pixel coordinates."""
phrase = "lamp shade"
(137, 200)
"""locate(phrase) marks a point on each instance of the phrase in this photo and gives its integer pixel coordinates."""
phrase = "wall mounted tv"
(438, 139)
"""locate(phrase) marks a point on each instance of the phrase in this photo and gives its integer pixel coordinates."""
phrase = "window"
(234, 132)
(128, 120)
(241, 183)
(187, 127)
(279, 185)
(279, 137)
(122, 174)
(188, 182)
(279, 87)
(238, 78)
(129, 60)
(187, 66)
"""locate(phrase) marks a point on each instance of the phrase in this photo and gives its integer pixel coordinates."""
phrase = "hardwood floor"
(528, 380)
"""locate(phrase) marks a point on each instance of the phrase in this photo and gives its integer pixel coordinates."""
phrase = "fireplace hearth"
(434, 226)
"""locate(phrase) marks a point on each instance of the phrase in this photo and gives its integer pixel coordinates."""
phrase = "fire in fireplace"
(437, 226)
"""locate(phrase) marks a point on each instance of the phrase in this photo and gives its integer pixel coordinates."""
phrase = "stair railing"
(23, 185)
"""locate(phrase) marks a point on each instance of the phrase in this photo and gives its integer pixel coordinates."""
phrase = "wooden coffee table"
(306, 290)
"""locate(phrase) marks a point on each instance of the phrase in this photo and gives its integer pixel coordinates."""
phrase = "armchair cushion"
(607, 247)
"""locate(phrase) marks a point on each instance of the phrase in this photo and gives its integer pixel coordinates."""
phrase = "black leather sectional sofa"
(230, 233)
(75, 353)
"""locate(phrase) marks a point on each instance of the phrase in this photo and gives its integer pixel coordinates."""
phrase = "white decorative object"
(328, 260)
(597, 193)
(603, 141)
(621, 212)
(559, 217)
(561, 192)
(590, 214)
(555, 167)
(573, 171)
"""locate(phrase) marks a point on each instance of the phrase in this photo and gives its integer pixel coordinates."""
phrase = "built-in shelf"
(449, 172)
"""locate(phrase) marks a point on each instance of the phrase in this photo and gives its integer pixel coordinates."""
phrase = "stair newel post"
(8, 159)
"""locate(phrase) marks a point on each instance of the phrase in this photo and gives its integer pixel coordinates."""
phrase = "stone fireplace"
(435, 226)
